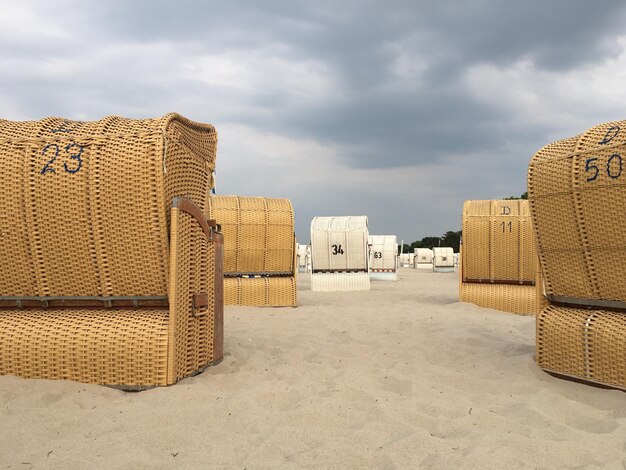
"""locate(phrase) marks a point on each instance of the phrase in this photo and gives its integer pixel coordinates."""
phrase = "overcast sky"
(395, 110)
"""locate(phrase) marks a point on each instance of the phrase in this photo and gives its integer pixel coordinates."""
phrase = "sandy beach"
(403, 376)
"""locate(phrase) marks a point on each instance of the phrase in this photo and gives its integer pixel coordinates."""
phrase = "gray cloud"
(453, 97)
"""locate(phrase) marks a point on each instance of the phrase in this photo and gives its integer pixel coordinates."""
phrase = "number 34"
(613, 167)
(337, 250)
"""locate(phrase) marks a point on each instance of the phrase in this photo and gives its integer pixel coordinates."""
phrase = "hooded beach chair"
(339, 254)
(110, 273)
(577, 196)
(259, 250)
(499, 266)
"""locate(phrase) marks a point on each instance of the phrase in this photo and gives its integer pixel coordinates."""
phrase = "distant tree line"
(523, 196)
(449, 239)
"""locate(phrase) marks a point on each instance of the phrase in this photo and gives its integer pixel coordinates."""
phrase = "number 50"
(613, 167)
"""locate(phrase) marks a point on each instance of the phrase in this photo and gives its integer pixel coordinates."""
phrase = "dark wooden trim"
(218, 306)
(199, 304)
(615, 305)
(499, 281)
(209, 226)
(84, 302)
(584, 381)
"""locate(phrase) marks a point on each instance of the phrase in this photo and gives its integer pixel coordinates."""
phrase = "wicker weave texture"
(383, 252)
(102, 346)
(85, 205)
(340, 282)
(498, 241)
(339, 244)
(126, 347)
(581, 343)
(523, 300)
(270, 291)
(577, 195)
(258, 234)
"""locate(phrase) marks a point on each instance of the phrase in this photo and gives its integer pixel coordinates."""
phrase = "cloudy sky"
(396, 110)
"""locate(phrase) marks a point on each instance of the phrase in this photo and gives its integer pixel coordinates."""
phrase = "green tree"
(405, 248)
(452, 239)
(431, 242)
(523, 196)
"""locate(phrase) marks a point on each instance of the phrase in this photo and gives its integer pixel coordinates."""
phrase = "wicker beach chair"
(259, 250)
(499, 266)
(339, 254)
(577, 195)
(443, 259)
(109, 271)
(383, 255)
(423, 258)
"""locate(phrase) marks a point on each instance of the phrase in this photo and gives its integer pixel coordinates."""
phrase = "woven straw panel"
(523, 300)
(585, 344)
(340, 282)
(102, 346)
(577, 197)
(192, 344)
(85, 205)
(272, 291)
(383, 252)
(258, 234)
(498, 242)
(339, 244)
(125, 347)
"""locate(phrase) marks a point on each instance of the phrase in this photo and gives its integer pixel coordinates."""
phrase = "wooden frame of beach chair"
(499, 260)
(576, 189)
(260, 258)
(107, 274)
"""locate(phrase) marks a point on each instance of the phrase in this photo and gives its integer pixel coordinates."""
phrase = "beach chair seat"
(110, 272)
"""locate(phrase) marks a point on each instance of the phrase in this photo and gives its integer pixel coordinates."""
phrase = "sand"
(403, 376)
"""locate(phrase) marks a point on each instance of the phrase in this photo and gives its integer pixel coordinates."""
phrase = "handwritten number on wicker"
(589, 167)
(48, 168)
(337, 250)
(615, 173)
(74, 151)
(74, 156)
(610, 135)
(504, 225)
(62, 127)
